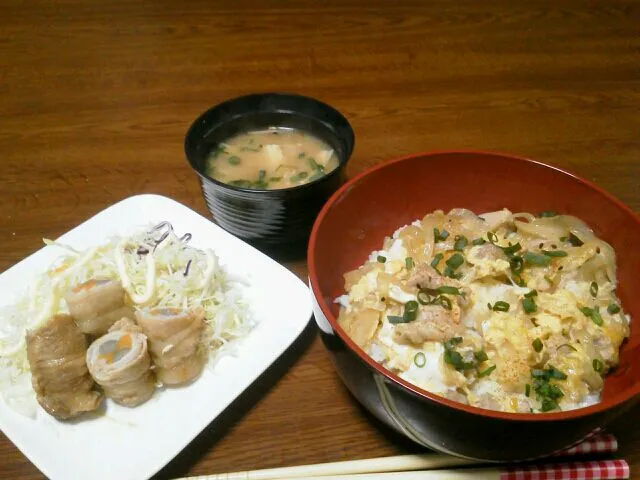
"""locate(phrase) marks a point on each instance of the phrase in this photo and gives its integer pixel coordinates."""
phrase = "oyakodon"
(510, 312)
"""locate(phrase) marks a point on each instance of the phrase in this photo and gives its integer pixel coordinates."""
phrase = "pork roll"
(97, 304)
(175, 341)
(120, 363)
(56, 352)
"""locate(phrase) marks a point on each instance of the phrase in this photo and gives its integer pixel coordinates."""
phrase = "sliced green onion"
(449, 272)
(555, 373)
(409, 263)
(440, 235)
(436, 259)
(425, 297)
(409, 315)
(547, 214)
(301, 155)
(555, 253)
(478, 241)
(493, 238)
(381, 259)
(451, 342)
(536, 259)
(527, 390)
(315, 165)
(481, 356)
(501, 306)
(593, 289)
(613, 308)
(516, 264)
(411, 307)
(486, 372)
(593, 314)
(511, 249)
(448, 290)
(298, 177)
(529, 305)
(394, 319)
(453, 358)
(460, 242)
(547, 405)
(569, 346)
(537, 345)
(531, 294)
(455, 260)
(597, 365)
(420, 360)
(233, 160)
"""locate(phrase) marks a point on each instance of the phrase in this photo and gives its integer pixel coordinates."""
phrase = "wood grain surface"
(95, 98)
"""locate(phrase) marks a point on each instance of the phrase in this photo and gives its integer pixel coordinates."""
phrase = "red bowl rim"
(424, 394)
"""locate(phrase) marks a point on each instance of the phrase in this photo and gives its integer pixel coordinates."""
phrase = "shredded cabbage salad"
(156, 268)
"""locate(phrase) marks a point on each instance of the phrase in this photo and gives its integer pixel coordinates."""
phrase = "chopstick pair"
(597, 470)
(432, 465)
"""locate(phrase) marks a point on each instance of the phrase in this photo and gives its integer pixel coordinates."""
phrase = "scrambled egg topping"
(510, 312)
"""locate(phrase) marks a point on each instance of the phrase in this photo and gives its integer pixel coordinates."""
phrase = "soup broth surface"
(271, 159)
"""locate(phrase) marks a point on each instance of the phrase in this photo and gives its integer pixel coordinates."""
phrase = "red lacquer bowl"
(372, 205)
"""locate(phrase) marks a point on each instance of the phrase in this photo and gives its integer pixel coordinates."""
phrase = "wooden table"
(95, 98)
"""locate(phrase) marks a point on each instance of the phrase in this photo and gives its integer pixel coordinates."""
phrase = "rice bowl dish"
(509, 312)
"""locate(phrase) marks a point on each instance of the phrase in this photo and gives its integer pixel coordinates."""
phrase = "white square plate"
(136, 443)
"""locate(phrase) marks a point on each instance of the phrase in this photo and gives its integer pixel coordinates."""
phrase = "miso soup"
(271, 159)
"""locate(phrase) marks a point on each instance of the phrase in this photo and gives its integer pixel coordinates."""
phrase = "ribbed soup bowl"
(268, 219)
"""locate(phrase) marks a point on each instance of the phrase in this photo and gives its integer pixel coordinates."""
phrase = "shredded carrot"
(59, 269)
(84, 286)
(124, 342)
(107, 357)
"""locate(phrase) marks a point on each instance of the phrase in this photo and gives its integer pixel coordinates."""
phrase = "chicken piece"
(434, 323)
(120, 363)
(513, 370)
(425, 276)
(175, 341)
(97, 304)
(56, 353)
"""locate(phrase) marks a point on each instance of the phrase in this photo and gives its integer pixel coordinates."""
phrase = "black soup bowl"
(279, 219)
